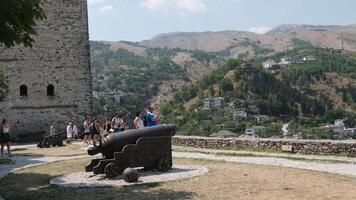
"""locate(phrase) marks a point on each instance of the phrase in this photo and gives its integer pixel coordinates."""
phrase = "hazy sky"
(136, 20)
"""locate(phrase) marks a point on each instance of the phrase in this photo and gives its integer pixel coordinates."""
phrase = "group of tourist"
(92, 131)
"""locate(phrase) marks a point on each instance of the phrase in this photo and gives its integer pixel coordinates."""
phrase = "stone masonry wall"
(298, 146)
(60, 56)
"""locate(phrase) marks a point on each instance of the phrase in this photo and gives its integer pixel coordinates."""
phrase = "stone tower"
(50, 83)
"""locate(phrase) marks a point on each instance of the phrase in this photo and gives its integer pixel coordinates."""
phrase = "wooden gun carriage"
(52, 140)
(149, 148)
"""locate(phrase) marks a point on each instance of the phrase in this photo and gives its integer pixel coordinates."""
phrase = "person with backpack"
(95, 130)
(152, 118)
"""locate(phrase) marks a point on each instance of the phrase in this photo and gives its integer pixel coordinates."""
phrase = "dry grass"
(67, 150)
(224, 181)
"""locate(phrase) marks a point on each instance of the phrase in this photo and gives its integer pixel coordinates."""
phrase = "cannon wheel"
(163, 165)
(111, 170)
(46, 145)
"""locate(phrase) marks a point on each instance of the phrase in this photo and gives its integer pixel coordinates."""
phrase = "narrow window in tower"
(50, 90)
(23, 90)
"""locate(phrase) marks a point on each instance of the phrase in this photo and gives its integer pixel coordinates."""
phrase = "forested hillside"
(308, 94)
(139, 77)
(186, 68)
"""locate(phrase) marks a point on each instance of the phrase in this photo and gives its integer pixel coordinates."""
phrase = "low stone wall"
(346, 147)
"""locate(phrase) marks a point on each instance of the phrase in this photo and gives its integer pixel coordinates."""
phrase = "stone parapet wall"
(346, 147)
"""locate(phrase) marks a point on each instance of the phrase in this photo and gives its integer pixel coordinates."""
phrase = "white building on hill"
(213, 102)
(268, 64)
(309, 58)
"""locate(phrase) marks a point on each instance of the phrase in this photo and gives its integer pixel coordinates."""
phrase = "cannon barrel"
(116, 142)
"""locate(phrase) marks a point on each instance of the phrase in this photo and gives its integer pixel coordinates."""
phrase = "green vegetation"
(17, 19)
(299, 43)
(256, 46)
(283, 95)
(136, 77)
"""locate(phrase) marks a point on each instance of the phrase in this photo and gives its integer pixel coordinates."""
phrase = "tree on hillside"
(226, 86)
(17, 21)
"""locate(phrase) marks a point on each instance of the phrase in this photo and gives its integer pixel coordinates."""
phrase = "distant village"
(252, 132)
(286, 60)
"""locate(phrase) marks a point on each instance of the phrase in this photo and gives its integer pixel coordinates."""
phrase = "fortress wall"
(347, 147)
(60, 56)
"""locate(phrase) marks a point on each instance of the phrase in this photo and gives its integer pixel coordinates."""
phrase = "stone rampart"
(345, 147)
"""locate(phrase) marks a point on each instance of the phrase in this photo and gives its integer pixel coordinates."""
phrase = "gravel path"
(22, 162)
(348, 169)
(264, 154)
(87, 179)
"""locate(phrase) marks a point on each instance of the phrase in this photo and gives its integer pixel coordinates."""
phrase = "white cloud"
(106, 8)
(193, 6)
(95, 2)
(259, 30)
(155, 5)
(185, 6)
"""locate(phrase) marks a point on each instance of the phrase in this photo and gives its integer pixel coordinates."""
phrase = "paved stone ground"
(22, 162)
(83, 179)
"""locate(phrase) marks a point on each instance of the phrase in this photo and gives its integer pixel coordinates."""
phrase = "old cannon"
(52, 140)
(150, 148)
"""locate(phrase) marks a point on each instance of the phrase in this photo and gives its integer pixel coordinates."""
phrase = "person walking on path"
(152, 117)
(86, 126)
(5, 137)
(138, 121)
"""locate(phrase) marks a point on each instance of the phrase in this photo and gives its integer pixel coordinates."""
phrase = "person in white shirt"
(72, 131)
(138, 121)
(118, 123)
(5, 136)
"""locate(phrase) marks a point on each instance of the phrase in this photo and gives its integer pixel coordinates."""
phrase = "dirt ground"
(223, 181)
(67, 150)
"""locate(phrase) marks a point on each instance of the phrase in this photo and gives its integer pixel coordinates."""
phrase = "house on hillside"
(213, 102)
(224, 134)
(268, 64)
(253, 131)
(262, 118)
(337, 127)
(239, 113)
(309, 58)
(286, 60)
